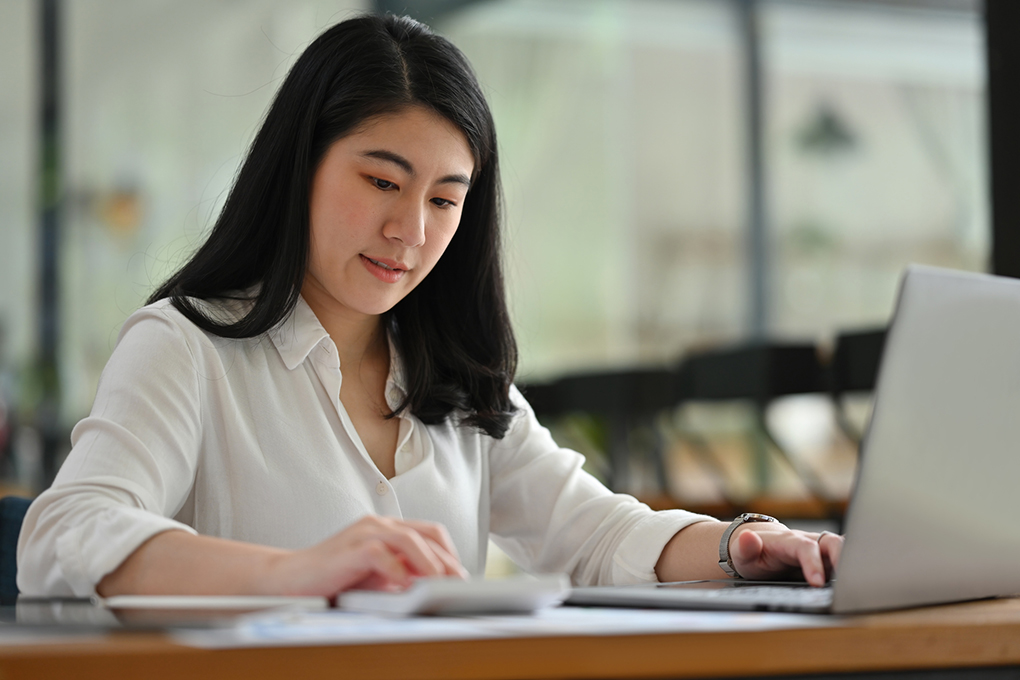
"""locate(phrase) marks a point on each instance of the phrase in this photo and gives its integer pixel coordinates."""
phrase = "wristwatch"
(725, 561)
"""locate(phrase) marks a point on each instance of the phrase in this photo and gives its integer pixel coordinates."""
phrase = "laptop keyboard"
(721, 594)
(772, 595)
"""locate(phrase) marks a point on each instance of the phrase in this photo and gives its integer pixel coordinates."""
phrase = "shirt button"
(382, 489)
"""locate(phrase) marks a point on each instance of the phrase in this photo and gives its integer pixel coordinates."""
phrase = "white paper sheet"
(339, 627)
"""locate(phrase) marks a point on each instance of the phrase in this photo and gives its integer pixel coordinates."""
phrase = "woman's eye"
(383, 184)
(443, 203)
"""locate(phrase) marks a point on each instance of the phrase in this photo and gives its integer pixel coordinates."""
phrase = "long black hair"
(452, 331)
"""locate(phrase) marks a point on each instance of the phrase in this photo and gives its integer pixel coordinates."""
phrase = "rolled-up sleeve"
(131, 466)
(549, 515)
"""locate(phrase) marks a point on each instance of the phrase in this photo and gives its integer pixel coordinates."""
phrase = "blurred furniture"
(854, 368)
(758, 373)
(626, 400)
(630, 400)
(12, 514)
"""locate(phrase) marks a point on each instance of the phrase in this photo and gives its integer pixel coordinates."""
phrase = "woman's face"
(385, 202)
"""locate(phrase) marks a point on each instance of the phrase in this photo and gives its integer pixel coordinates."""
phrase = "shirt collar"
(298, 334)
(301, 332)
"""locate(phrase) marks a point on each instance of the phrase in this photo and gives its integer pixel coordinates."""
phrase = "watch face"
(756, 517)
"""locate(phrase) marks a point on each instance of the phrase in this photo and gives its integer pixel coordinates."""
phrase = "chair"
(631, 399)
(12, 514)
(758, 372)
(625, 399)
(854, 368)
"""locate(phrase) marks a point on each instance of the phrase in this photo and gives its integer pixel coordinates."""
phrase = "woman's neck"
(357, 336)
(360, 343)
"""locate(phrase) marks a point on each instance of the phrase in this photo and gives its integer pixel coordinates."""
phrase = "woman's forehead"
(412, 131)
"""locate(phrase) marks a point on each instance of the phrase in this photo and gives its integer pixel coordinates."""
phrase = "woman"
(322, 397)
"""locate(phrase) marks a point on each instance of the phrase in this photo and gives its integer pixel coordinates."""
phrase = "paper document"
(337, 627)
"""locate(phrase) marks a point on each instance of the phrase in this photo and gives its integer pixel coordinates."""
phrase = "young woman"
(322, 397)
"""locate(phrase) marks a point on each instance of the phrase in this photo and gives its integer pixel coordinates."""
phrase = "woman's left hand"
(765, 551)
(759, 551)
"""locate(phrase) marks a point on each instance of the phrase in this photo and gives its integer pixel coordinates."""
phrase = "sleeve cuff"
(636, 556)
(92, 550)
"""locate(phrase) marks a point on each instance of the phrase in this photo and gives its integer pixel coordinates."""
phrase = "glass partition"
(624, 144)
(625, 149)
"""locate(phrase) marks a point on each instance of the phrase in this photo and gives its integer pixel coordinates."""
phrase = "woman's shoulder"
(162, 322)
(161, 313)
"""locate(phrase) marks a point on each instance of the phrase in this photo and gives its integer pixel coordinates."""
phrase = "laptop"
(934, 514)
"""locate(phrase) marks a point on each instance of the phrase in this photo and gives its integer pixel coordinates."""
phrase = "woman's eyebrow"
(456, 179)
(405, 165)
(395, 158)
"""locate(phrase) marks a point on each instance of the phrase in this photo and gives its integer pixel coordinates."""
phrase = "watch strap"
(725, 560)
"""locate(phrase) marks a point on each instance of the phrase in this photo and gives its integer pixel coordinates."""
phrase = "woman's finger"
(831, 546)
(436, 532)
(777, 554)
(452, 564)
(379, 559)
(809, 556)
(788, 551)
(378, 553)
(432, 540)
(770, 553)
(747, 550)
(414, 548)
(371, 565)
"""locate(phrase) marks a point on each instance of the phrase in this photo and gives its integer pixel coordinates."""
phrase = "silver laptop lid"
(934, 515)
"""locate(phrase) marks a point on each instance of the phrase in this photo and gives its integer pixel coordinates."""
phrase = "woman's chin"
(335, 298)
(378, 306)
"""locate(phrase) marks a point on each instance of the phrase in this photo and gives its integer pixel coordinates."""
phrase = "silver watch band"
(725, 561)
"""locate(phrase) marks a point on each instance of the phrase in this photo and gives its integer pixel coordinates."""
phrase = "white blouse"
(248, 440)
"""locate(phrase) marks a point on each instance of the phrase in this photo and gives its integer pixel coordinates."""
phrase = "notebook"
(932, 518)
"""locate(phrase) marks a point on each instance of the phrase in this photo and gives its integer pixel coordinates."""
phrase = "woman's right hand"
(375, 553)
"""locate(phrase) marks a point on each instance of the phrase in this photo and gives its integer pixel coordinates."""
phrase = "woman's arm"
(550, 515)
(760, 550)
(375, 552)
(108, 520)
(132, 464)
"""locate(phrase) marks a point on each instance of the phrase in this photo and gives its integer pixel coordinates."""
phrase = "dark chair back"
(854, 368)
(12, 514)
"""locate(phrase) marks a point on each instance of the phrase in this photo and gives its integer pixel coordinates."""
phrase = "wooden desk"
(973, 635)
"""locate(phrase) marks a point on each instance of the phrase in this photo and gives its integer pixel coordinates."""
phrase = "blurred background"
(709, 204)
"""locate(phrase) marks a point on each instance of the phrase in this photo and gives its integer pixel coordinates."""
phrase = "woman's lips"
(384, 269)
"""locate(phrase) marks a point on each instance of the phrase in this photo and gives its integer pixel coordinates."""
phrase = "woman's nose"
(406, 224)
